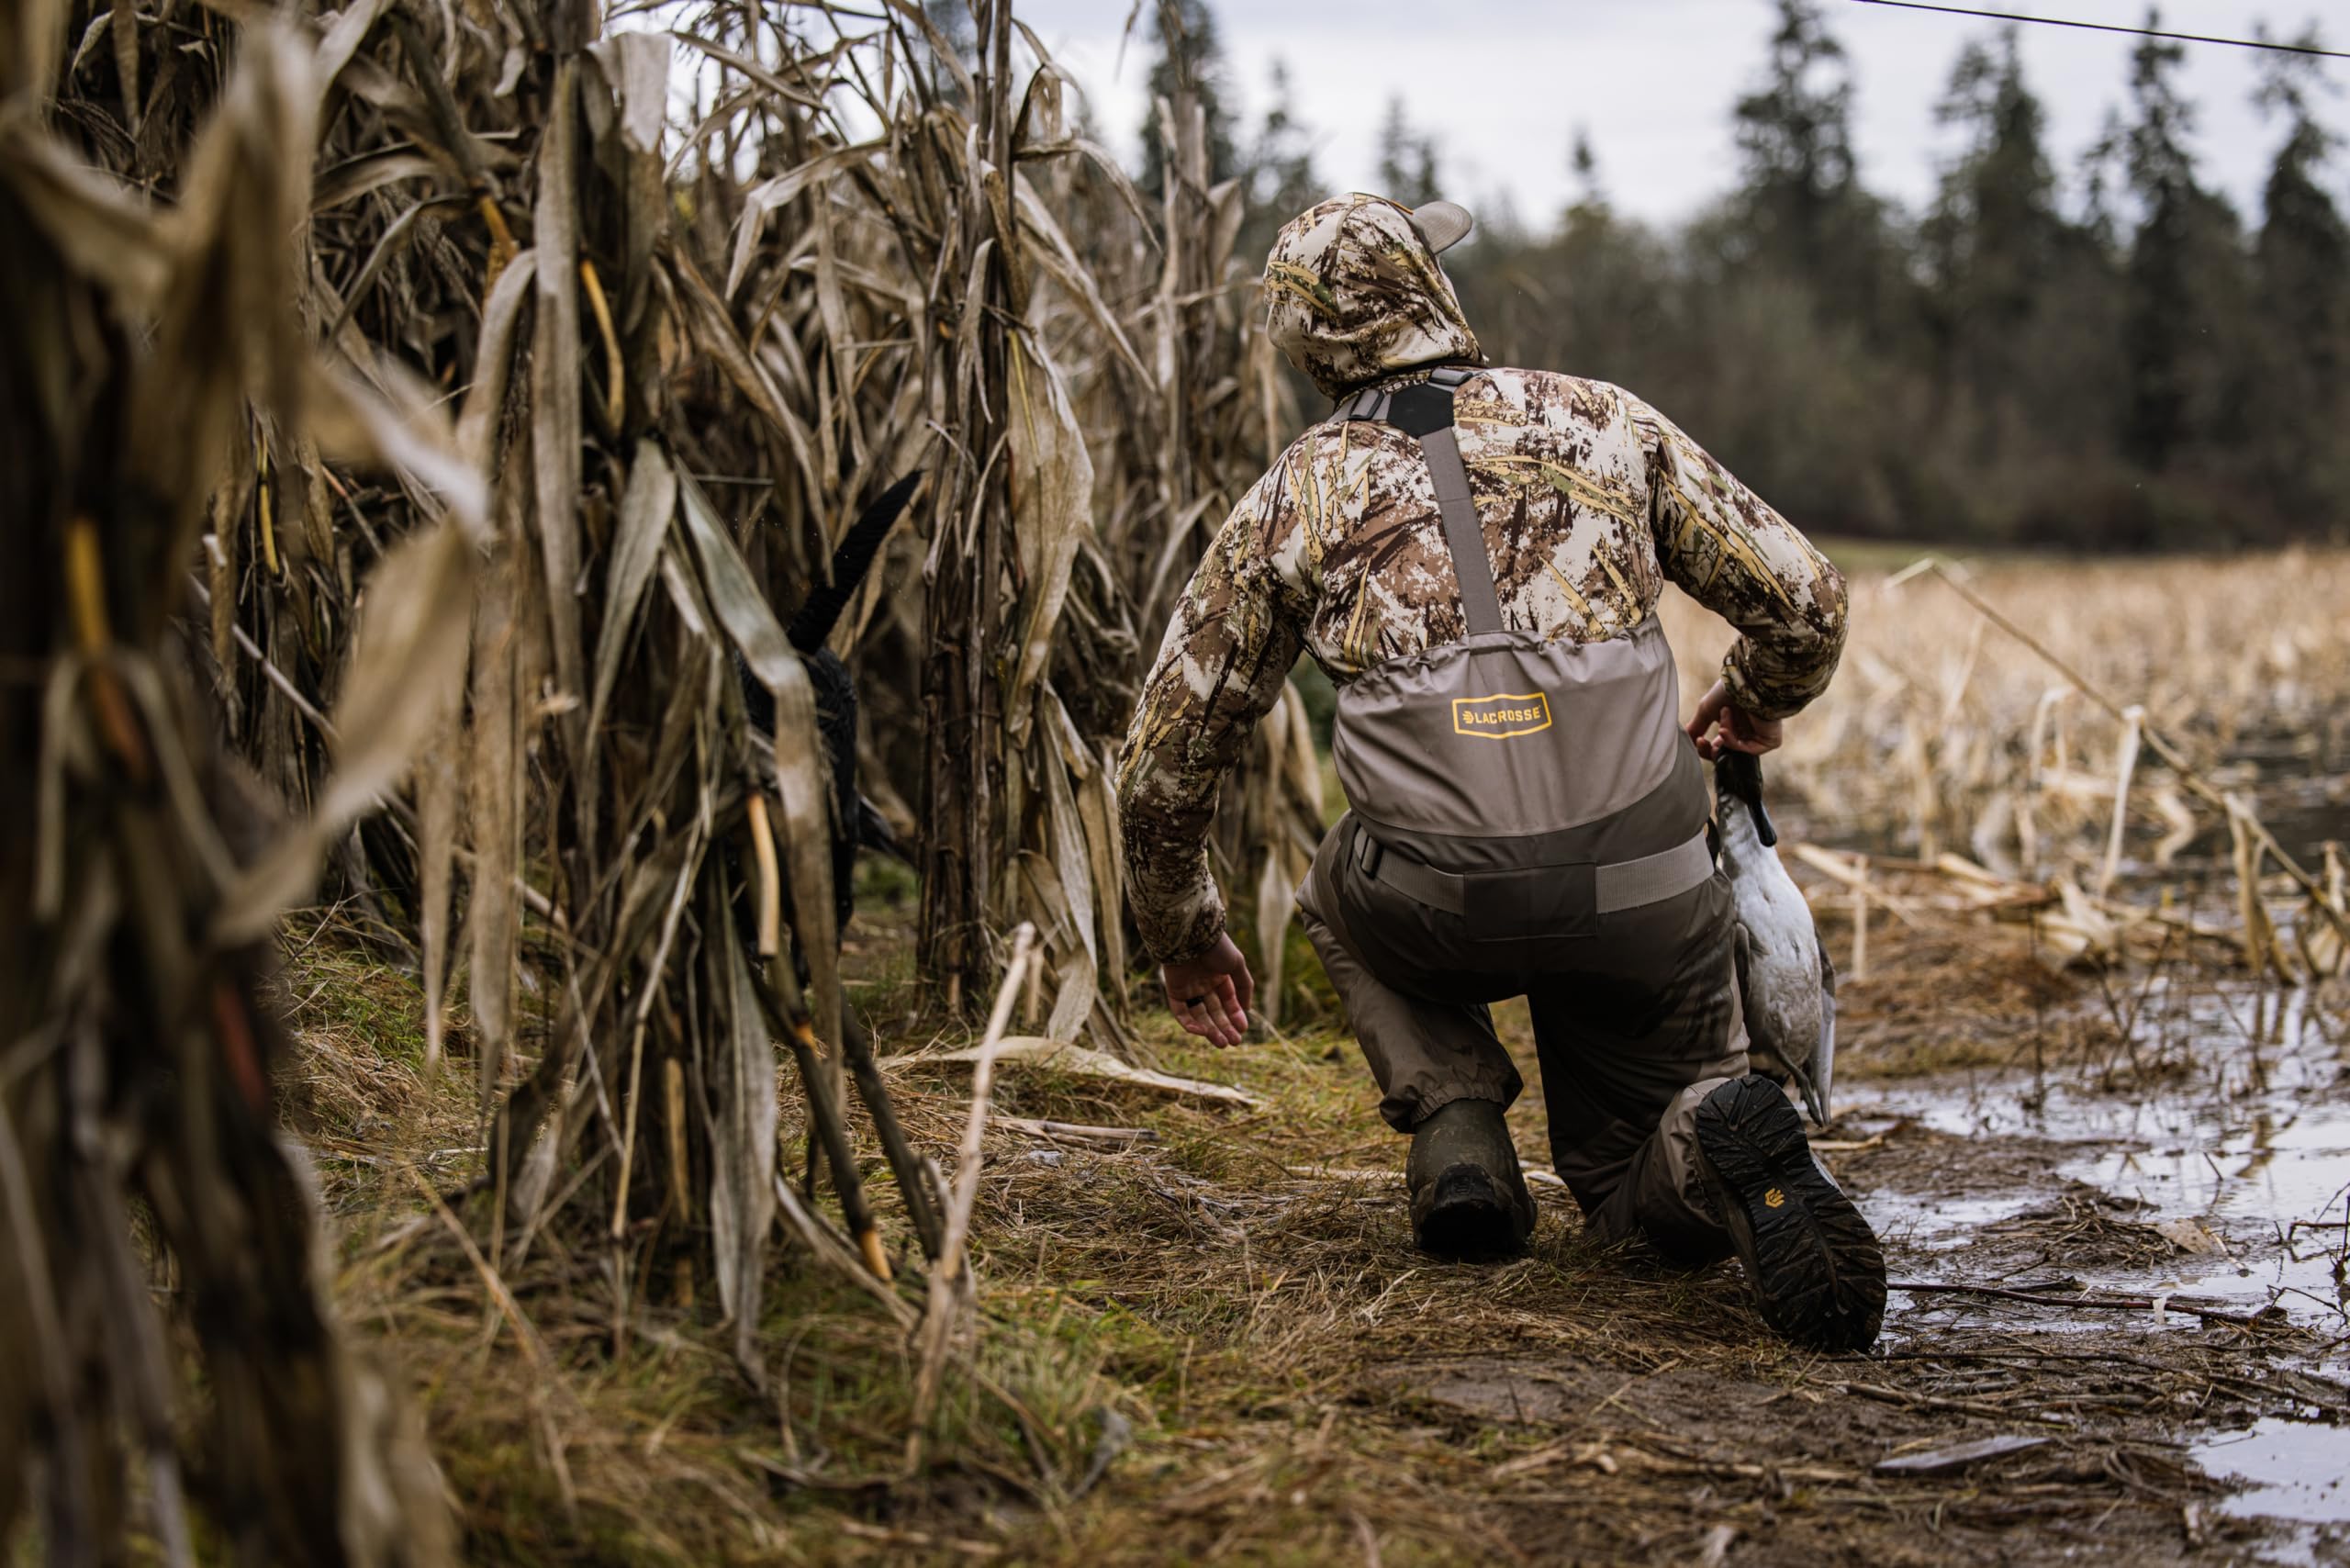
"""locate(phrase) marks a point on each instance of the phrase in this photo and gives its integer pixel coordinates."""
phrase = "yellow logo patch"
(1501, 716)
(1773, 1199)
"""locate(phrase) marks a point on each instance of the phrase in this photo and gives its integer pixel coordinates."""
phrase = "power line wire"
(2109, 27)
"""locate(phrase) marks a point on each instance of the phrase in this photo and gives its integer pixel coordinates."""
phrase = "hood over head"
(1356, 292)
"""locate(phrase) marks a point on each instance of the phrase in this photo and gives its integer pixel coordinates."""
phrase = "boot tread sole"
(1817, 1270)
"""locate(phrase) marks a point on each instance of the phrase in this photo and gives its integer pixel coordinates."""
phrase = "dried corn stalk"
(678, 355)
(601, 749)
(155, 346)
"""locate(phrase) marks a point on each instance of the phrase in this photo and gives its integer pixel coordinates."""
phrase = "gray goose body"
(1785, 982)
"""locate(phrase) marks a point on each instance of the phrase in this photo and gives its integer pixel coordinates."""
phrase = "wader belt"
(1423, 411)
(1620, 885)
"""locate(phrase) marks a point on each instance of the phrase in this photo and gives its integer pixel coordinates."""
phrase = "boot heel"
(1468, 1197)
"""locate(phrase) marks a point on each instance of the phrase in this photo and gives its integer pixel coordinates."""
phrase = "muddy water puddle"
(2296, 1479)
(2296, 1470)
(2220, 1127)
(2204, 1161)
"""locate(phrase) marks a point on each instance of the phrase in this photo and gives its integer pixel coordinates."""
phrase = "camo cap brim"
(1356, 291)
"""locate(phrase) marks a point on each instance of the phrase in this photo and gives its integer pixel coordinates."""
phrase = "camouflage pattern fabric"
(1354, 294)
(1591, 501)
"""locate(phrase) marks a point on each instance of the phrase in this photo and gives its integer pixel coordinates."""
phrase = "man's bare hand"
(1720, 727)
(1211, 992)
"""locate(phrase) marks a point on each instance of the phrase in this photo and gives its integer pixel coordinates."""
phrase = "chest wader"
(1531, 787)
(1526, 818)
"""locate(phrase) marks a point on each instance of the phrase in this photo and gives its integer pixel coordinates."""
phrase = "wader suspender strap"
(1423, 411)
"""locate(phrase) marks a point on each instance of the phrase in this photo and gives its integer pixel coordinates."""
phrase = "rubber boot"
(1812, 1260)
(1468, 1197)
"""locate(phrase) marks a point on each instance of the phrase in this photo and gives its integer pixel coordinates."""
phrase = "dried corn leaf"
(637, 66)
(1097, 803)
(1052, 510)
(103, 231)
(343, 35)
(493, 816)
(396, 424)
(486, 399)
(764, 198)
(742, 1143)
(349, 181)
(555, 397)
(408, 666)
(2079, 931)
(748, 67)
(436, 803)
(647, 506)
(222, 332)
(32, 43)
(1060, 259)
(1066, 1056)
(806, 824)
(2323, 945)
(1276, 900)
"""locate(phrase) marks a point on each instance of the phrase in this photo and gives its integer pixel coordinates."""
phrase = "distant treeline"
(2133, 366)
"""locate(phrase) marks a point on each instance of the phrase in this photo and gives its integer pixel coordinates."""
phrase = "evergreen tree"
(2026, 334)
(2302, 267)
(1190, 62)
(1406, 159)
(1801, 213)
(1589, 194)
(1589, 298)
(2140, 375)
(1993, 235)
(1795, 135)
(2184, 283)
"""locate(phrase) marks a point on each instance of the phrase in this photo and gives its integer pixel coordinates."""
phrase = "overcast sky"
(1504, 86)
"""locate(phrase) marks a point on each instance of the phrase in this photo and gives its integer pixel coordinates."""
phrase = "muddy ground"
(1205, 1337)
(1337, 1397)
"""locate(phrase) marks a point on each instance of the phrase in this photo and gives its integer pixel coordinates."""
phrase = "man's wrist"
(1748, 700)
(1194, 949)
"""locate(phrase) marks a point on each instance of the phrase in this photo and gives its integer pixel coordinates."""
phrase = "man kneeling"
(1474, 555)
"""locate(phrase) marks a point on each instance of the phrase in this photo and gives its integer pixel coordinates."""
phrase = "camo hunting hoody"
(1591, 501)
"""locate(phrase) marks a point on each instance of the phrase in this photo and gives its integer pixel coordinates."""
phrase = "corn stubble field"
(447, 402)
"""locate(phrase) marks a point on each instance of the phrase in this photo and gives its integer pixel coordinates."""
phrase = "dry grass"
(2163, 770)
(1937, 715)
(601, 1426)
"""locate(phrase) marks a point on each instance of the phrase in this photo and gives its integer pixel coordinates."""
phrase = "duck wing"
(1762, 1053)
